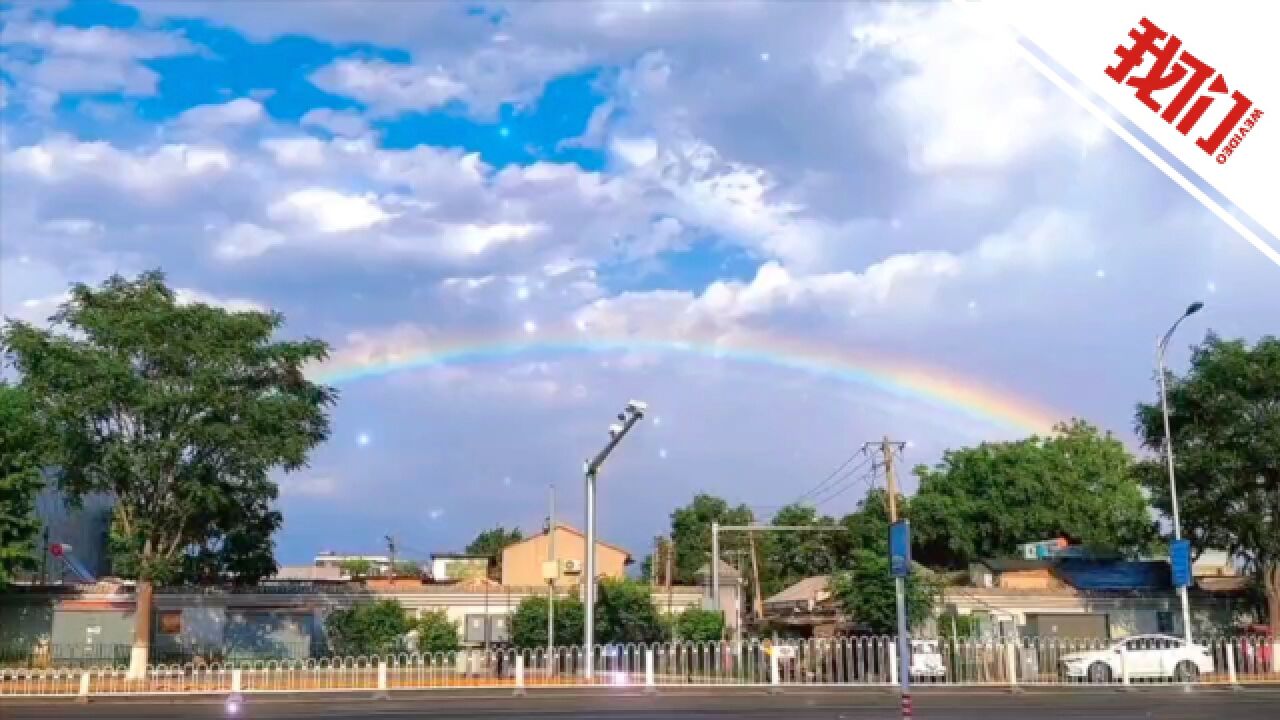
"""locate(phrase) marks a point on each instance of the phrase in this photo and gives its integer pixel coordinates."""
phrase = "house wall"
(1126, 616)
(1038, 579)
(280, 624)
(522, 561)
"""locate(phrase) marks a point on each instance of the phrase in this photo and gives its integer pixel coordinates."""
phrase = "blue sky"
(870, 179)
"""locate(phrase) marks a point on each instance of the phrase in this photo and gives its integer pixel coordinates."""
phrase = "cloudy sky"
(790, 228)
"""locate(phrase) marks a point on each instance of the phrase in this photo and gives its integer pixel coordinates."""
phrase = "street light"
(626, 420)
(1161, 346)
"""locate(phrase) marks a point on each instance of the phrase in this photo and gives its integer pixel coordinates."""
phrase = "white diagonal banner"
(1197, 78)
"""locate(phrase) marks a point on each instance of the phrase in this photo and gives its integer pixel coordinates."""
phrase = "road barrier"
(835, 662)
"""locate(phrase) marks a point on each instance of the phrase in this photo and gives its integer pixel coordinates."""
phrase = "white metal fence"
(843, 662)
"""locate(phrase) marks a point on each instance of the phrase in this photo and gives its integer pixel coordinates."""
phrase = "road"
(1164, 704)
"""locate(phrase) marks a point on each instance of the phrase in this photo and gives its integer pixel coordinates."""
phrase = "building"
(95, 622)
(447, 567)
(807, 609)
(85, 528)
(378, 564)
(522, 562)
(1083, 598)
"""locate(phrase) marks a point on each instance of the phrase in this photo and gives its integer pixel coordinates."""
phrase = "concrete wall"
(522, 561)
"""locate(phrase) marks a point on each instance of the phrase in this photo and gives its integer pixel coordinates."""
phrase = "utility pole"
(391, 552)
(551, 583)
(667, 553)
(899, 584)
(758, 605)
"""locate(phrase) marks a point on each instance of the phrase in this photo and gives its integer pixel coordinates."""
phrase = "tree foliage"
(691, 533)
(491, 542)
(22, 448)
(436, 633)
(625, 613)
(866, 591)
(793, 556)
(984, 501)
(180, 411)
(356, 567)
(529, 623)
(368, 628)
(698, 625)
(1224, 416)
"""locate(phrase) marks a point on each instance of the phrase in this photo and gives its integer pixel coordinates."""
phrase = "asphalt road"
(1165, 704)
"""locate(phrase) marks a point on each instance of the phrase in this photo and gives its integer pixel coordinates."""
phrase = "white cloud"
(389, 87)
(238, 112)
(246, 240)
(339, 122)
(86, 60)
(327, 211)
(191, 296)
(61, 158)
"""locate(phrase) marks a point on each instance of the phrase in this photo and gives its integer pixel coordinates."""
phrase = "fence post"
(1011, 664)
(519, 691)
(775, 676)
(83, 697)
(650, 687)
(234, 700)
(382, 693)
(893, 664)
(1231, 666)
(1124, 665)
(235, 680)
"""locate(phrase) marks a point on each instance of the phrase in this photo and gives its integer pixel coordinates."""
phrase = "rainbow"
(893, 376)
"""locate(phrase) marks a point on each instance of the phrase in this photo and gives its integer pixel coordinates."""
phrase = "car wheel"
(1186, 671)
(1099, 673)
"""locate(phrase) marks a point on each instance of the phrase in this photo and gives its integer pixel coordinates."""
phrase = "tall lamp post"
(626, 420)
(1161, 346)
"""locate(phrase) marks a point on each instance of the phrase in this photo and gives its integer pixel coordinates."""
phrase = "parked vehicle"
(1143, 656)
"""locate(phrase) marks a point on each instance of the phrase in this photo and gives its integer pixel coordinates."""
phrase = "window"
(475, 629)
(171, 622)
(1164, 622)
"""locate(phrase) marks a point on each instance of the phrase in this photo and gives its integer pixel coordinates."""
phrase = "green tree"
(436, 632)
(356, 567)
(529, 622)
(866, 592)
(408, 568)
(793, 556)
(179, 411)
(691, 533)
(625, 613)
(367, 628)
(986, 500)
(1224, 416)
(491, 542)
(237, 549)
(22, 448)
(698, 625)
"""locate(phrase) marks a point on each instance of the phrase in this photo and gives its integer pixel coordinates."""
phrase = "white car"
(1144, 656)
(926, 661)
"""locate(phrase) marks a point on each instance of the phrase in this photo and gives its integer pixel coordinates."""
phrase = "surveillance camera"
(638, 407)
(614, 429)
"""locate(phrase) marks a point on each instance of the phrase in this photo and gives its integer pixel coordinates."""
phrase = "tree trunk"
(1271, 583)
(141, 653)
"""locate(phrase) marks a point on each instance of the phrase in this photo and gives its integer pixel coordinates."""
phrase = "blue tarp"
(1114, 575)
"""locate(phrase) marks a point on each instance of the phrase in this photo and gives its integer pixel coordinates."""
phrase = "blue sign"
(1180, 558)
(900, 549)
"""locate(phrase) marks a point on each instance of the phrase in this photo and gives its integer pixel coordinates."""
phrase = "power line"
(864, 479)
(827, 480)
